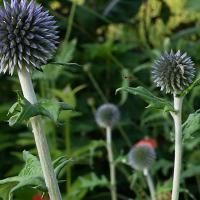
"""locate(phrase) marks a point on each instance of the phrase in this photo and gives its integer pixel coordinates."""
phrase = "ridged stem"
(150, 184)
(178, 146)
(113, 189)
(40, 138)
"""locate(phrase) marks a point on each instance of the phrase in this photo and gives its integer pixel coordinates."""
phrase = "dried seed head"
(173, 72)
(107, 115)
(141, 156)
(28, 36)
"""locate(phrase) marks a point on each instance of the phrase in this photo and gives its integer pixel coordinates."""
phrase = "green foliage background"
(114, 44)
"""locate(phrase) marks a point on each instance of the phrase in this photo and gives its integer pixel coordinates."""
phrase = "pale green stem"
(178, 145)
(113, 189)
(40, 138)
(150, 184)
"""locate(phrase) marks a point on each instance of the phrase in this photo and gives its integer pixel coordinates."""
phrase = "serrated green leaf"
(31, 175)
(64, 55)
(153, 101)
(191, 126)
(66, 51)
(189, 88)
(23, 110)
(60, 163)
(90, 147)
(85, 183)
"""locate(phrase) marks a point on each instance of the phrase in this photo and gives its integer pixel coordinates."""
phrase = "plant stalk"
(40, 138)
(178, 145)
(111, 164)
(150, 184)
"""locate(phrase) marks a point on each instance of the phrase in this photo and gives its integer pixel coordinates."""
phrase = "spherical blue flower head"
(28, 36)
(107, 115)
(141, 157)
(173, 72)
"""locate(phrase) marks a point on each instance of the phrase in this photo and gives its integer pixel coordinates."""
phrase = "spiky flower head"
(28, 36)
(107, 115)
(173, 72)
(141, 156)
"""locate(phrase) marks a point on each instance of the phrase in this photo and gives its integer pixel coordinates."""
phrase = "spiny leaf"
(66, 51)
(153, 101)
(189, 88)
(60, 163)
(30, 176)
(191, 126)
(90, 147)
(23, 110)
(85, 183)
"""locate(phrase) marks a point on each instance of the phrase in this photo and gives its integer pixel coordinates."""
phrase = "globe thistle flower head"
(141, 156)
(107, 115)
(173, 72)
(28, 36)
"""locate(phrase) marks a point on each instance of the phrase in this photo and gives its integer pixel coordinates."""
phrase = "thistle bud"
(141, 156)
(107, 115)
(173, 72)
(28, 36)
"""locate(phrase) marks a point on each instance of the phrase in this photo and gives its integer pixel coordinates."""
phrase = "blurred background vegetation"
(114, 43)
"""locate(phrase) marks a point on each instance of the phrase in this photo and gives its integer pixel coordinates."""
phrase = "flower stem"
(150, 184)
(111, 164)
(178, 145)
(40, 138)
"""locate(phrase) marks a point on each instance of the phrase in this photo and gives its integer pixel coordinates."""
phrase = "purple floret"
(28, 36)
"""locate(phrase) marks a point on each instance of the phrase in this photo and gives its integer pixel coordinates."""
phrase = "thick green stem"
(150, 184)
(113, 189)
(178, 146)
(40, 138)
